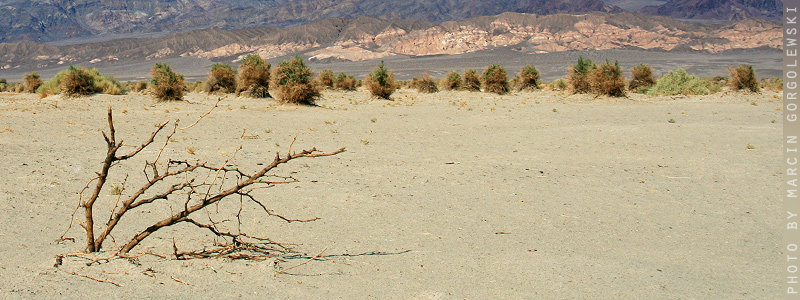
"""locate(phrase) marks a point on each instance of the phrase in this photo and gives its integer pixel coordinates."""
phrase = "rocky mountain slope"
(717, 9)
(366, 38)
(53, 20)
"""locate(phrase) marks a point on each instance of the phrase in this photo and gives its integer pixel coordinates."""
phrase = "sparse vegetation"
(452, 81)
(471, 82)
(165, 84)
(292, 82)
(743, 77)
(345, 82)
(527, 79)
(579, 76)
(221, 79)
(641, 78)
(425, 84)
(253, 77)
(678, 82)
(559, 85)
(31, 81)
(326, 79)
(715, 84)
(381, 83)
(607, 80)
(495, 80)
(774, 84)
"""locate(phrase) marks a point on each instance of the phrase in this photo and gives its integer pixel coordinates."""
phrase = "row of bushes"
(293, 81)
(585, 77)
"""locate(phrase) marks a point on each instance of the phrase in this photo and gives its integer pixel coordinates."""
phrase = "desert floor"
(452, 195)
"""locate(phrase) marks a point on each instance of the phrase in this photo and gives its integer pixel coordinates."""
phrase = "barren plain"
(453, 195)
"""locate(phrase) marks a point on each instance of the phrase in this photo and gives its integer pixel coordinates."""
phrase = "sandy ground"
(453, 195)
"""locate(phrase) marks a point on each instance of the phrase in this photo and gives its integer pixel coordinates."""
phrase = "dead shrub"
(579, 76)
(381, 83)
(292, 82)
(253, 77)
(344, 82)
(495, 80)
(558, 85)
(31, 81)
(425, 84)
(607, 80)
(743, 77)
(165, 84)
(221, 79)
(641, 78)
(471, 82)
(527, 79)
(326, 79)
(139, 86)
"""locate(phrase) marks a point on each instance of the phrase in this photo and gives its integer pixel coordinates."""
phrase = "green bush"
(452, 81)
(579, 76)
(221, 79)
(165, 84)
(326, 79)
(471, 82)
(344, 82)
(32, 81)
(607, 80)
(381, 83)
(253, 77)
(641, 78)
(527, 79)
(292, 82)
(678, 82)
(495, 80)
(743, 77)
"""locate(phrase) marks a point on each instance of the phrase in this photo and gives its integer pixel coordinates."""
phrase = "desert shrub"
(641, 78)
(292, 82)
(426, 84)
(743, 77)
(527, 79)
(3, 87)
(32, 81)
(253, 77)
(326, 79)
(558, 85)
(345, 82)
(78, 81)
(452, 81)
(678, 82)
(607, 80)
(381, 83)
(495, 80)
(18, 87)
(165, 84)
(579, 76)
(774, 84)
(139, 86)
(471, 82)
(3, 81)
(221, 79)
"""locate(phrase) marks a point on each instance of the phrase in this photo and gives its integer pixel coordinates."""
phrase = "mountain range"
(365, 38)
(57, 20)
